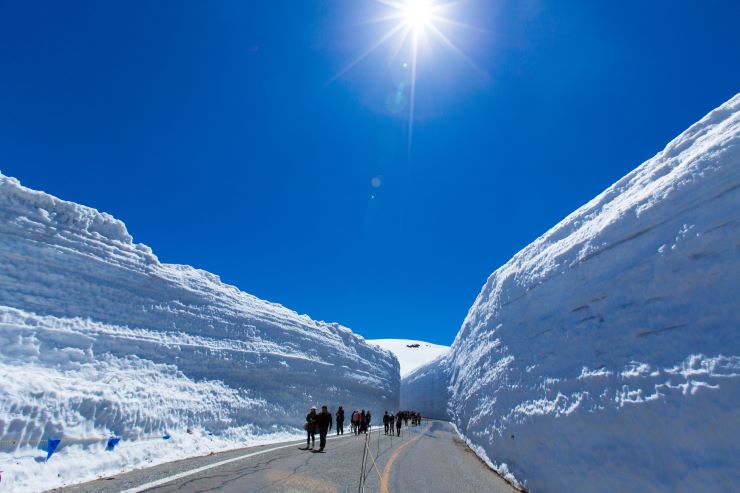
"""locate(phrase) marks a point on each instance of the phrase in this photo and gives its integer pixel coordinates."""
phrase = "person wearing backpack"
(310, 428)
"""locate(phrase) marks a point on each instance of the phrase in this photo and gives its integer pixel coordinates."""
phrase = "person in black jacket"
(340, 421)
(323, 423)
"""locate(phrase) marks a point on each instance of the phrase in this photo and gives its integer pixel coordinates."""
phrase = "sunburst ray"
(414, 19)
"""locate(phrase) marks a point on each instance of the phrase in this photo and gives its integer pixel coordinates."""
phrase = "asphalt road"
(429, 458)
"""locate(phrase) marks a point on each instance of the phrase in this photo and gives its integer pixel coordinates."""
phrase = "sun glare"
(417, 13)
(413, 23)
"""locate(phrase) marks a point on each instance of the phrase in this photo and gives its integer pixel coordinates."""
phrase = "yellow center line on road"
(389, 464)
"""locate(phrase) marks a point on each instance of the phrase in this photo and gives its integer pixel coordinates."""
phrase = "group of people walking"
(391, 421)
(322, 422)
(361, 421)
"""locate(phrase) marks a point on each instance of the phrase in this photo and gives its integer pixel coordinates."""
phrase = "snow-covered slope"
(605, 356)
(99, 338)
(411, 354)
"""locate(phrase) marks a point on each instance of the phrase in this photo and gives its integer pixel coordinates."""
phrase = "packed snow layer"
(606, 355)
(98, 338)
(426, 389)
(411, 354)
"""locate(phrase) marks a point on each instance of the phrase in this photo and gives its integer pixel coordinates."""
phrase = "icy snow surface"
(605, 356)
(411, 357)
(98, 338)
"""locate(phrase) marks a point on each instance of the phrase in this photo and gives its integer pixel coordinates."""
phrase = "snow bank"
(98, 338)
(411, 354)
(606, 355)
(425, 390)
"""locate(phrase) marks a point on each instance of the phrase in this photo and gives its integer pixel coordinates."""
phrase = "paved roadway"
(429, 458)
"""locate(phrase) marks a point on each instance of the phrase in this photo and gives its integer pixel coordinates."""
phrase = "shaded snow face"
(98, 337)
(426, 389)
(607, 352)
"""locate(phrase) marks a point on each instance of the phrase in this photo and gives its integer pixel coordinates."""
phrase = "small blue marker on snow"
(51, 446)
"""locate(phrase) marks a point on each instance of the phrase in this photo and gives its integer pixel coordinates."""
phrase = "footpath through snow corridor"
(429, 458)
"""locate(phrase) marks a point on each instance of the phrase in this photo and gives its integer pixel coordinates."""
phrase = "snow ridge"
(607, 352)
(99, 338)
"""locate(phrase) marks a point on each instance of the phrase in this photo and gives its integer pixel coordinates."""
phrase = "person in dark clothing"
(323, 423)
(368, 418)
(310, 428)
(340, 421)
(399, 420)
(386, 422)
(363, 422)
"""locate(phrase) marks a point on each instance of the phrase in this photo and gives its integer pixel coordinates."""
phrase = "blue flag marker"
(112, 442)
(51, 446)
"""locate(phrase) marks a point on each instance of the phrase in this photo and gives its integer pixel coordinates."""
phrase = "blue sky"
(221, 135)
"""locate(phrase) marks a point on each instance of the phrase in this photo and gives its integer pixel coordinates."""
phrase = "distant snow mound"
(606, 355)
(99, 338)
(411, 354)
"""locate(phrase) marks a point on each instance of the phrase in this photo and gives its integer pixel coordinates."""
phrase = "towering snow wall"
(98, 337)
(425, 390)
(605, 356)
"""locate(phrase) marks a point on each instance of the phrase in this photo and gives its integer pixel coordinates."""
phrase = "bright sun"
(413, 24)
(417, 13)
